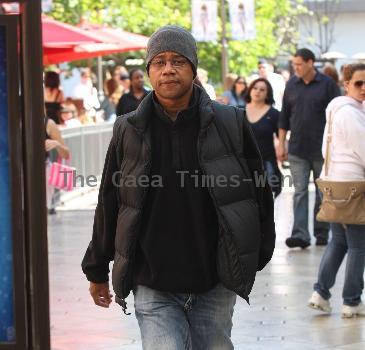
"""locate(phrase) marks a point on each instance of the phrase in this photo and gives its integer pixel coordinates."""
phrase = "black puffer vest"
(245, 211)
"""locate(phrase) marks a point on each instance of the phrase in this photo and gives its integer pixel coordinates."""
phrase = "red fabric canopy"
(58, 35)
(63, 42)
(117, 36)
(79, 52)
(106, 41)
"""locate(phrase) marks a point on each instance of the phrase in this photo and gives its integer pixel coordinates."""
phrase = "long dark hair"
(269, 100)
(52, 80)
(233, 90)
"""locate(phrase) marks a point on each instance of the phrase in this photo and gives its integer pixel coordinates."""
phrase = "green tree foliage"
(275, 26)
(319, 22)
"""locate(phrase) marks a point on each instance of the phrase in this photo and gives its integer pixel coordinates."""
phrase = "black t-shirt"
(128, 103)
(264, 130)
(176, 250)
(53, 111)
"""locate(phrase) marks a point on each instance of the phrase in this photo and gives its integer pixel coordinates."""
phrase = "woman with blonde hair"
(346, 163)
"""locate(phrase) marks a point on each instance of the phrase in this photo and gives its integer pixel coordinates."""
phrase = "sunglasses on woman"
(359, 83)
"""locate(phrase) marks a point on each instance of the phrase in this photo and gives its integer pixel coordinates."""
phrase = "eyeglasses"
(240, 82)
(359, 83)
(160, 63)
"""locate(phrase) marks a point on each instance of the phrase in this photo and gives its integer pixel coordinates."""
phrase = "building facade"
(333, 25)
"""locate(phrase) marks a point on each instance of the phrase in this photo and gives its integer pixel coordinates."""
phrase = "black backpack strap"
(229, 118)
(251, 159)
(231, 139)
(226, 118)
(238, 138)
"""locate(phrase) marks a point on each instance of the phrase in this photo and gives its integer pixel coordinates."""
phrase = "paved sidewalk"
(277, 318)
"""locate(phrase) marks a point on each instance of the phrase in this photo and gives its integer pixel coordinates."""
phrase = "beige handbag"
(343, 201)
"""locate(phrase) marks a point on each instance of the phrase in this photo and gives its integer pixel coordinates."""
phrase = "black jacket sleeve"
(267, 228)
(285, 114)
(263, 194)
(100, 251)
(275, 121)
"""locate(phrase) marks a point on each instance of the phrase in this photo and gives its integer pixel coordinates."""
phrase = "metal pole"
(34, 176)
(224, 42)
(100, 78)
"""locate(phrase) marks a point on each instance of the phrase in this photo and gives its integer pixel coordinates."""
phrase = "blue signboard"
(7, 329)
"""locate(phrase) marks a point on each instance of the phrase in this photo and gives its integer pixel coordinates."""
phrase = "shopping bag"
(61, 175)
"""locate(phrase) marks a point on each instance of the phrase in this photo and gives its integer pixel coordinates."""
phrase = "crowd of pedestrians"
(71, 97)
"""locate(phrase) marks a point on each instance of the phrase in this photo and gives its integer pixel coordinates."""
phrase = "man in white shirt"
(266, 70)
(203, 77)
(87, 92)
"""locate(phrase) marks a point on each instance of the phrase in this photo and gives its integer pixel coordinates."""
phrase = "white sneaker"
(353, 311)
(316, 302)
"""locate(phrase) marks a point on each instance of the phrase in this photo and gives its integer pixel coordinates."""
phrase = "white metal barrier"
(88, 145)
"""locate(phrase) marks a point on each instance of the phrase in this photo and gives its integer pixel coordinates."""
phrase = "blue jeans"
(350, 240)
(300, 170)
(182, 321)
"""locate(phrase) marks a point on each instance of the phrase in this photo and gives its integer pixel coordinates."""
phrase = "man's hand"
(101, 294)
(282, 152)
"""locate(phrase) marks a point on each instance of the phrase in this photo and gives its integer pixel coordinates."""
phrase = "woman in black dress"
(53, 95)
(263, 118)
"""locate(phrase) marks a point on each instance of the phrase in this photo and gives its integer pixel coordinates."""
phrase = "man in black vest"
(178, 210)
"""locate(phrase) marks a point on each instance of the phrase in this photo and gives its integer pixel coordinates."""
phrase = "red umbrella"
(63, 42)
(123, 39)
(62, 35)
(79, 52)
(106, 41)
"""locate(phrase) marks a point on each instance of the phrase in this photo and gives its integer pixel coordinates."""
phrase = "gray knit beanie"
(173, 38)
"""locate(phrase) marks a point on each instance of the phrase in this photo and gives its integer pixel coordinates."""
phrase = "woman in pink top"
(347, 162)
